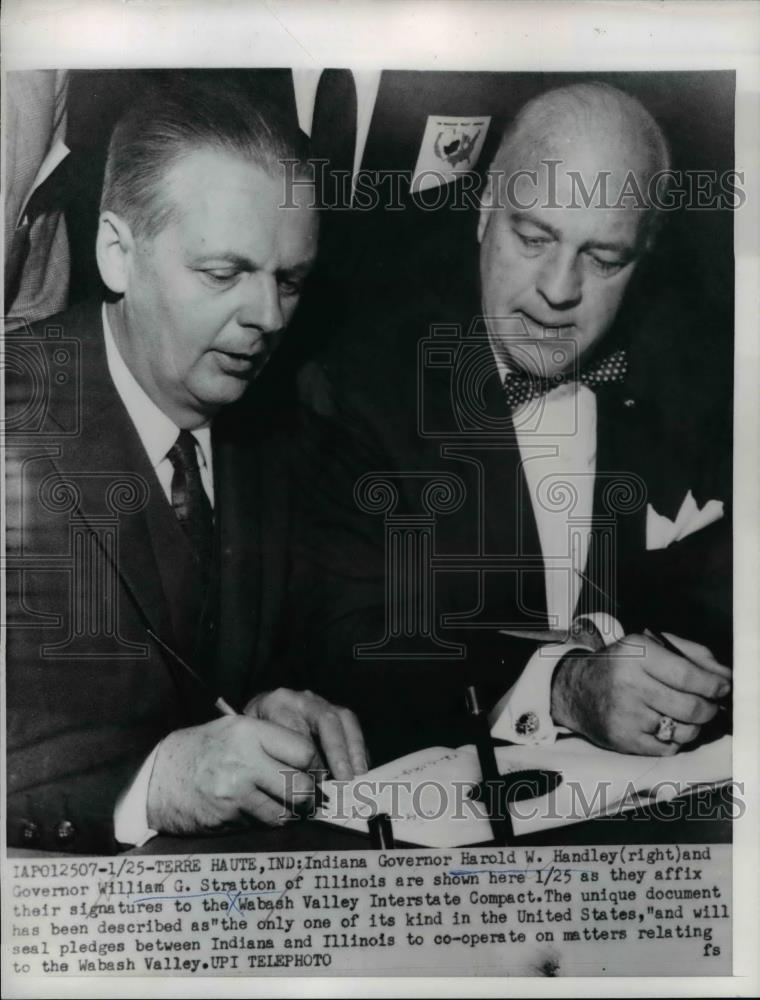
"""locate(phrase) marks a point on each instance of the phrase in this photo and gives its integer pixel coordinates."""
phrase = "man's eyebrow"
(298, 270)
(622, 248)
(243, 263)
(240, 261)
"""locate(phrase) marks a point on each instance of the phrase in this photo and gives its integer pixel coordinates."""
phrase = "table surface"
(713, 826)
(700, 818)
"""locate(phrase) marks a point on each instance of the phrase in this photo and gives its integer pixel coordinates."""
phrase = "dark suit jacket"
(408, 416)
(95, 558)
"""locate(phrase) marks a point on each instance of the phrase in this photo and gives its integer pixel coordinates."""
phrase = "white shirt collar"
(156, 431)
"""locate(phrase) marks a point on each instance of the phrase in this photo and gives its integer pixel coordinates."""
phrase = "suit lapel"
(620, 498)
(272, 497)
(179, 575)
(498, 499)
(510, 520)
(233, 609)
(108, 466)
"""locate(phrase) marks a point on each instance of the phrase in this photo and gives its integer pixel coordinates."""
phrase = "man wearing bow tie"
(582, 507)
(149, 511)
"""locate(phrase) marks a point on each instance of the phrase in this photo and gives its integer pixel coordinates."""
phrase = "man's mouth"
(241, 362)
(548, 328)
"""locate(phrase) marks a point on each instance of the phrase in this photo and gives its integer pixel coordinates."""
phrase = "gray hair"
(176, 120)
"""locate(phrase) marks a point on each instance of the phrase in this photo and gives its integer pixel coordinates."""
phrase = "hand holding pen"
(241, 766)
(640, 695)
(699, 656)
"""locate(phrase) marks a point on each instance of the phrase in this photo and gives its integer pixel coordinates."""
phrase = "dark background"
(378, 260)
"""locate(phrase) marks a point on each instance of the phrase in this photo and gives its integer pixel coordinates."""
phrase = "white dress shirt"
(556, 435)
(158, 434)
(305, 84)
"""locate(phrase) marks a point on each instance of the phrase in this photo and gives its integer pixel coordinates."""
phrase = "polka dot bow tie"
(521, 386)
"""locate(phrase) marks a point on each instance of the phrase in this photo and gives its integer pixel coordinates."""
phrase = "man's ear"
(114, 248)
(486, 209)
(654, 224)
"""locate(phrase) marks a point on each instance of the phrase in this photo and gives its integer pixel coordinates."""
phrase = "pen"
(223, 706)
(663, 641)
(493, 784)
(672, 648)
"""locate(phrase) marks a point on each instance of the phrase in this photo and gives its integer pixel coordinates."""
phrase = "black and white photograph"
(380, 499)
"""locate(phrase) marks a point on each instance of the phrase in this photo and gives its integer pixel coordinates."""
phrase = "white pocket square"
(661, 531)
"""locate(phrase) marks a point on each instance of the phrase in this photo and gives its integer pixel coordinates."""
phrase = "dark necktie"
(189, 500)
(520, 386)
(333, 130)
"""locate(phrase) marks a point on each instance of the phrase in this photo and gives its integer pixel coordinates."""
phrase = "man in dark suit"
(148, 503)
(531, 460)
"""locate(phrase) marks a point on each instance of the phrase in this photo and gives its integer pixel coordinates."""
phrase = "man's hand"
(617, 696)
(336, 730)
(227, 771)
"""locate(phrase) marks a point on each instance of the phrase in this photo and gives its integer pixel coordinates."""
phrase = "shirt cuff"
(130, 816)
(523, 714)
(606, 629)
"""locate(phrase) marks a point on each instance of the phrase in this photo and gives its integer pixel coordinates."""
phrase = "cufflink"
(65, 832)
(527, 724)
(30, 832)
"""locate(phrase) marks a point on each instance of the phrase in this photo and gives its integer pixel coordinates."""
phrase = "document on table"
(427, 793)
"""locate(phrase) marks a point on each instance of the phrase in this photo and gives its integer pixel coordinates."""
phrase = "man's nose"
(559, 281)
(260, 305)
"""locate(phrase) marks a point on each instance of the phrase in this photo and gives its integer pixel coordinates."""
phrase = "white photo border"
(503, 36)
